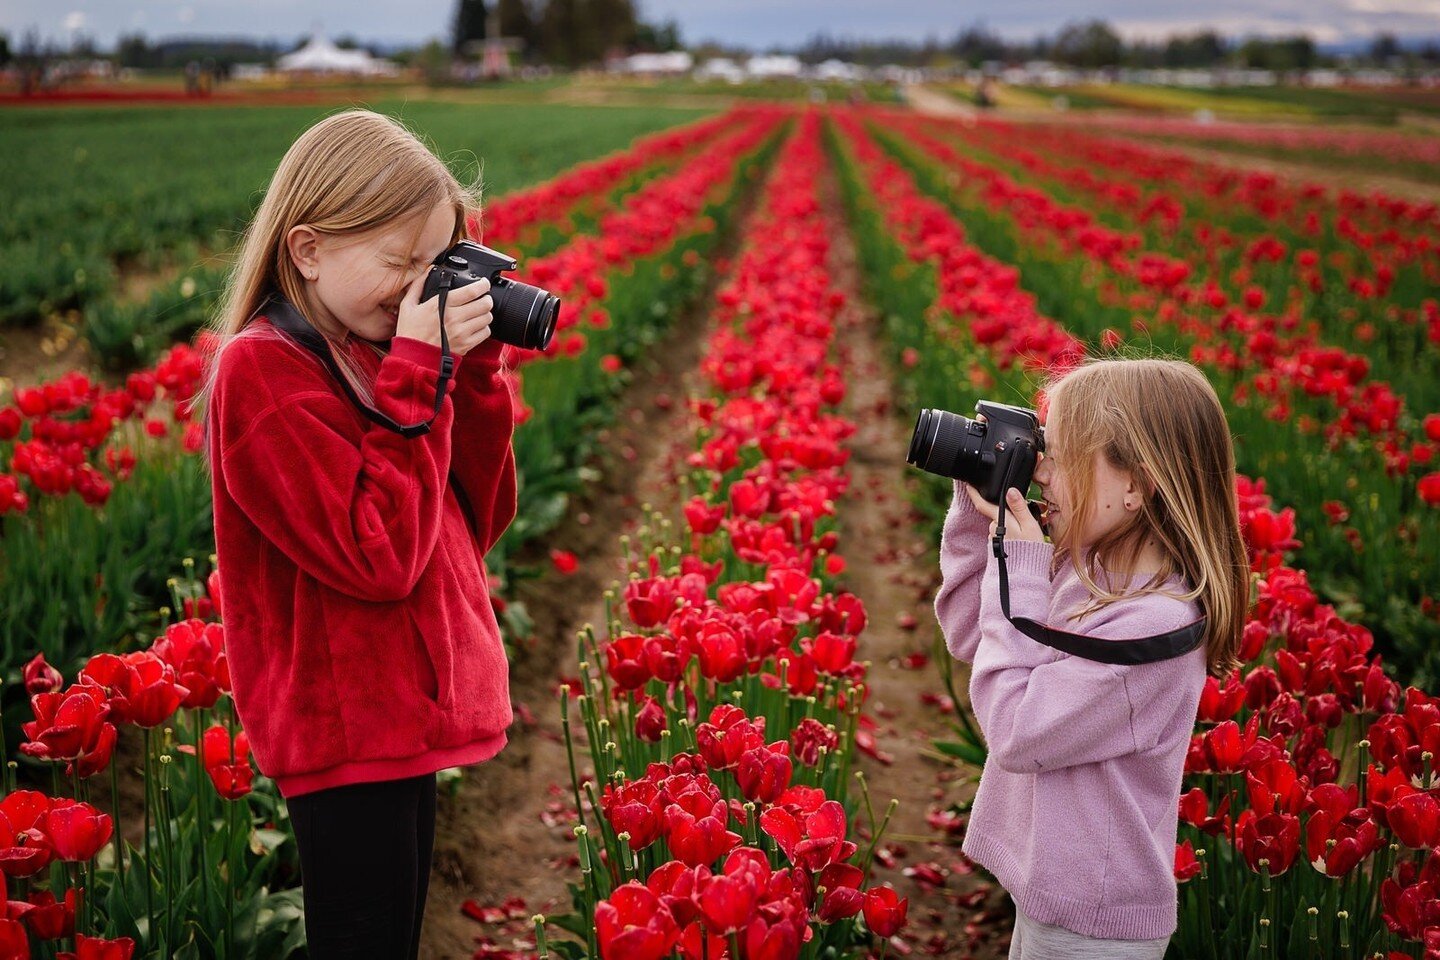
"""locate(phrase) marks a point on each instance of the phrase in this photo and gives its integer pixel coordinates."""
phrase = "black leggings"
(365, 863)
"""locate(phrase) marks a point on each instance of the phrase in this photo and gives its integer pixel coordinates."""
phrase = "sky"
(757, 24)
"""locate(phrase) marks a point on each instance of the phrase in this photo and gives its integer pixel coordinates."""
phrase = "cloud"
(74, 20)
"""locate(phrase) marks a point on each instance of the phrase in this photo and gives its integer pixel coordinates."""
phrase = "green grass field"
(89, 190)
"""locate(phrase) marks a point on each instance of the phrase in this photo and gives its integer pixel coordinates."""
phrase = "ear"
(303, 245)
(1141, 484)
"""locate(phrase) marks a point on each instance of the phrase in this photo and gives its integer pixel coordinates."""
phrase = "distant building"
(319, 55)
(720, 68)
(838, 70)
(655, 64)
(763, 68)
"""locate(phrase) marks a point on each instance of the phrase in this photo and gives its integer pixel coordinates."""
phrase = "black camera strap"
(282, 313)
(1163, 646)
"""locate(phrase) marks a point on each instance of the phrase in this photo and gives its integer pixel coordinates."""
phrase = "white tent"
(322, 56)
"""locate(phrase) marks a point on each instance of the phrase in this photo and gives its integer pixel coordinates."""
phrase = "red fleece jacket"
(358, 625)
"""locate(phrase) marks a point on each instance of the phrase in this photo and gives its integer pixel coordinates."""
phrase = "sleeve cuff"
(426, 355)
(1027, 559)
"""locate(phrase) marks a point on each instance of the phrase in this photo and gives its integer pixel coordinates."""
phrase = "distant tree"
(1384, 47)
(1194, 50)
(975, 45)
(662, 38)
(1091, 44)
(4, 49)
(1280, 54)
(468, 25)
(133, 50)
(518, 19)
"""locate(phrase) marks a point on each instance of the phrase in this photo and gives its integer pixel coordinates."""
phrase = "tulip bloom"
(67, 724)
(93, 948)
(76, 830)
(634, 925)
(24, 847)
(885, 911)
(764, 772)
(227, 764)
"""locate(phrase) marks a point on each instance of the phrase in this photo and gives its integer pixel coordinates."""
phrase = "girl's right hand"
(467, 315)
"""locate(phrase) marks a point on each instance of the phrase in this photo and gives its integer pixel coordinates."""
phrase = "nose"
(1042, 470)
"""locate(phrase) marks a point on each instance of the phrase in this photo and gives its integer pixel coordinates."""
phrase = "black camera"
(1007, 443)
(524, 315)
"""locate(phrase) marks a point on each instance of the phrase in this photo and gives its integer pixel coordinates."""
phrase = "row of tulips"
(1309, 741)
(1189, 265)
(1373, 300)
(103, 569)
(1375, 230)
(1372, 521)
(211, 874)
(722, 709)
(1370, 145)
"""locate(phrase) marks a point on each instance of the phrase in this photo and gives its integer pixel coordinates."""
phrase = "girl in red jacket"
(363, 648)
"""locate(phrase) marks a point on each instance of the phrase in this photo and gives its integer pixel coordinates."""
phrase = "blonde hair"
(1160, 421)
(350, 173)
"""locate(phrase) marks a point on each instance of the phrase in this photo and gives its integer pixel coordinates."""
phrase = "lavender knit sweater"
(1077, 808)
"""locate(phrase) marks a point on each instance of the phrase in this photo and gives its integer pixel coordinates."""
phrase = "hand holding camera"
(524, 315)
(469, 312)
(992, 455)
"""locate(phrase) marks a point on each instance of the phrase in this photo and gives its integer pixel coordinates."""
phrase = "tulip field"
(726, 782)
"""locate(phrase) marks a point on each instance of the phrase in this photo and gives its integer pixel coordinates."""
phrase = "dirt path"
(954, 912)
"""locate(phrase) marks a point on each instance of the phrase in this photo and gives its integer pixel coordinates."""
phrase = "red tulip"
(564, 562)
(76, 830)
(46, 917)
(14, 942)
(885, 911)
(1275, 836)
(815, 842)
(93, 948)
(650, 720)
(40, 677)
(227, 764)
(763, 773)
(728, 735)
(625, 661)
(807, 739)
(1186, 866)
(66, 724)
(633, 925)
(695, 828)
(24, 847)
(1415, 818)
(633, 808)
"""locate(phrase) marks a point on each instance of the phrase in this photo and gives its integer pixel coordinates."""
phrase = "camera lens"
(525, 315)
(939, 443)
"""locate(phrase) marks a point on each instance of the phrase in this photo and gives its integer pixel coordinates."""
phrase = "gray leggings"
(1034, 940)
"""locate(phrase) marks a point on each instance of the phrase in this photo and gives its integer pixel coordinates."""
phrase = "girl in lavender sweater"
(1076, 812)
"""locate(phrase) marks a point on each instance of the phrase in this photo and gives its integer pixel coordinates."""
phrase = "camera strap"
(282, 313)
(1163, 646)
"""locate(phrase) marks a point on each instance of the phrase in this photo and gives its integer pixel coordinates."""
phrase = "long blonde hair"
(1160, 421)
(350, 173)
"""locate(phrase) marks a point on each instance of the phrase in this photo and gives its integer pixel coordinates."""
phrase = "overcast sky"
(752, 23)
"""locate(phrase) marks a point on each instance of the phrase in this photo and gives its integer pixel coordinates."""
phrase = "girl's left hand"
(1019, 523)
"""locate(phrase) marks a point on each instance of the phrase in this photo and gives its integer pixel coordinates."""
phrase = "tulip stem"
(115, 812)
(570, 751)
(202, 819)
(149, 848)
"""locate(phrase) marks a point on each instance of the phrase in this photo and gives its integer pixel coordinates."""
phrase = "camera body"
(1007, 442)
(524, 315)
